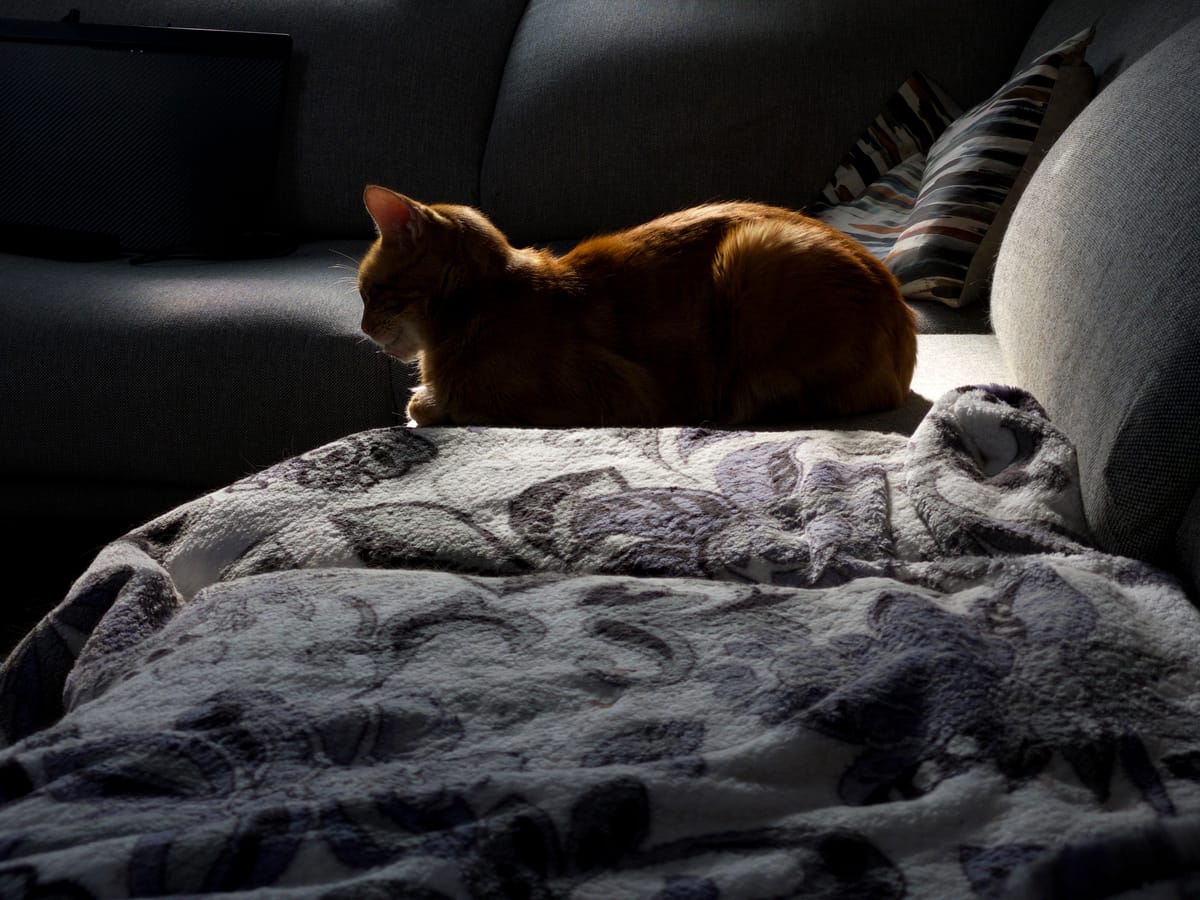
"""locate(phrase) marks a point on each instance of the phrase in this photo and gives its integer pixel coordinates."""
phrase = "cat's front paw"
(423, 409)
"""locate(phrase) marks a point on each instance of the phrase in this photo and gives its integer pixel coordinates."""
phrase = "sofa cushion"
(880, 213)
(398, 93)
(183, 373)
(612, 112)
(969, 173)
(1096, 305)
(1072, 92)
(877, 218)
(1125, 30)
(911, 120)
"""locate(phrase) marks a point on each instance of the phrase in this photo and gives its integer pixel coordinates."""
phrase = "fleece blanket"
(680, 663)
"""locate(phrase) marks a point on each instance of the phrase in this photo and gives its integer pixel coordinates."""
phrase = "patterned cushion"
(882, 212)
(912, 119)
(969, 172)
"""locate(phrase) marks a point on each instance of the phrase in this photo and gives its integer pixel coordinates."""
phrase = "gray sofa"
(127, 390)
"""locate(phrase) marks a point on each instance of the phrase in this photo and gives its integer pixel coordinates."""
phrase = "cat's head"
(423, 254)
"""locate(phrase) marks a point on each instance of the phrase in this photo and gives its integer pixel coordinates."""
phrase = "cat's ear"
(396, 217)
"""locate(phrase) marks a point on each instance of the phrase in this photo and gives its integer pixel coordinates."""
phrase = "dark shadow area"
(42, 557)
(903, 420)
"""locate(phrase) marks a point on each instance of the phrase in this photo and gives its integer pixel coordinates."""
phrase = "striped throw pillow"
(882, 212)
(911, 120)
(969, 172)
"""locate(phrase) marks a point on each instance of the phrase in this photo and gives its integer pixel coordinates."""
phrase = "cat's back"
(698, 228)
(683, 245)
(795, 316)
(712, 217)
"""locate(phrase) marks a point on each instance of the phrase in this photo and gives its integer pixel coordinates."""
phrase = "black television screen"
(160, 140)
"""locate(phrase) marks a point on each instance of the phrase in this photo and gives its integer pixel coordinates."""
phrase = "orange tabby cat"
(726, 314)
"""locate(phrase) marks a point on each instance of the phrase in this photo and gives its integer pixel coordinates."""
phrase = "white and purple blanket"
(678, 664)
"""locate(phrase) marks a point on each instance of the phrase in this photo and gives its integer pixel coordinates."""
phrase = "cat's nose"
(376, 325)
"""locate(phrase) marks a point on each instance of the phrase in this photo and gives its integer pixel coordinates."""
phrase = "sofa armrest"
(1096, 303)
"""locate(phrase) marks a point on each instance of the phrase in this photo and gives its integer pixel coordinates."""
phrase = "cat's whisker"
(348, 283)
(345, 256)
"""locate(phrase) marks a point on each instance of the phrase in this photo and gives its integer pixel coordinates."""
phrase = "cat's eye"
(381, 294)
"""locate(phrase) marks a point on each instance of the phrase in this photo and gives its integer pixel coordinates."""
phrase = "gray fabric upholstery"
(1187, 545)
(656, 106)
(1095, 299)
(1072, 92)
(1125, 30)
(938, 318)
(944, 362)
(399, 94)
(181, 373)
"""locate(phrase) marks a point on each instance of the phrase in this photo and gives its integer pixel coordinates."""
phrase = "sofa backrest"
(399, 92)
(612, 112)
(1096, 302)
(1125, 30)
(565, 117)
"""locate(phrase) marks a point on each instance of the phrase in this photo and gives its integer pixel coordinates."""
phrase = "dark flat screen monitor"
(152, 140)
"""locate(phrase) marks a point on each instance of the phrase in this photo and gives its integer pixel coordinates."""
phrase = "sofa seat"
(944, 362)
(288, 352)
(222, 367)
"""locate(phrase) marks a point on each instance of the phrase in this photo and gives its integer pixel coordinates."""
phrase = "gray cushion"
(1125, 30)
(614, 111)
(1072, 92)
(1096, 302)
(1187, 544)
(182, 373)
(399, 93)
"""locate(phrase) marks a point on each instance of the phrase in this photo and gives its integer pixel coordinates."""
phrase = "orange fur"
(725, 314)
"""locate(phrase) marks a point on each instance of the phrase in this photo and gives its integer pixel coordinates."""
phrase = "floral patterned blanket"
(616, 663)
